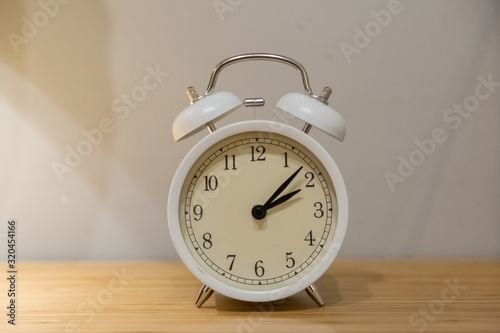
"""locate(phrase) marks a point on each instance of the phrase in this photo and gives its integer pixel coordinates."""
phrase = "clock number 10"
(211, 183)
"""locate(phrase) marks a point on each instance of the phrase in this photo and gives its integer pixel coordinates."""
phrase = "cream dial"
(221, 218)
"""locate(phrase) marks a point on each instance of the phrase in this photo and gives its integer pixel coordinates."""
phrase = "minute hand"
(280, 189)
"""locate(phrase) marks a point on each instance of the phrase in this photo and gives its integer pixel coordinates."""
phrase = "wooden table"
(360, 296)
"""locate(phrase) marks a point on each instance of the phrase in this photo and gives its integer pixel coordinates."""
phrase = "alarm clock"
(257, 210)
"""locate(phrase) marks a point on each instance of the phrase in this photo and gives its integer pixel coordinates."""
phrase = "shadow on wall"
(57, 52)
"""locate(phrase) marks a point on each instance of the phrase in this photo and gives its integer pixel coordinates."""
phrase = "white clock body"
(224, 177)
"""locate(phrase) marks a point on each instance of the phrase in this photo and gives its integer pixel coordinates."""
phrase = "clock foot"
(203, 295)
(313, 293)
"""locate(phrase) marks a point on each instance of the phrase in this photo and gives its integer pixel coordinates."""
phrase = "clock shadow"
(337, 288)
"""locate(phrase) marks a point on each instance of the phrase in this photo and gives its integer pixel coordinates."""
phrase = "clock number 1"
(286, 160)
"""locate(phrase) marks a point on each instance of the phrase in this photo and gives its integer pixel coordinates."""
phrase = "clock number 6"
(259, 270)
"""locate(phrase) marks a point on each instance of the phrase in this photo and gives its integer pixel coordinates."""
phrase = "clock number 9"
(207, 240)
(259, 270)
(198, 212)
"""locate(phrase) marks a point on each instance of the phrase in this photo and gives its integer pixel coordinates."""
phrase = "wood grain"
(360, 296)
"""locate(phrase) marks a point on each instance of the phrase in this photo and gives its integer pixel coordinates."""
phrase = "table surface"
(359, 296)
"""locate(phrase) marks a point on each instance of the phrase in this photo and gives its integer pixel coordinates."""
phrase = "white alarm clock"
(257, 210)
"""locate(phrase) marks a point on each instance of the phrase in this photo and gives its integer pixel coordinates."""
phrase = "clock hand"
(260, 211)
(281, 189)
(283, 199)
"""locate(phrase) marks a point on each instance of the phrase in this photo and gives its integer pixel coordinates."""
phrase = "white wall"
(392, 90)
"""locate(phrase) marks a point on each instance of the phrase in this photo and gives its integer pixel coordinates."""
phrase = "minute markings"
(212, 159)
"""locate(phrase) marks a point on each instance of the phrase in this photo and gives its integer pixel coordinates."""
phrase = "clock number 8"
(207, 240)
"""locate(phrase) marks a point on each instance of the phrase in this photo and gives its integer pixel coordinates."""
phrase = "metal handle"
(261, 56)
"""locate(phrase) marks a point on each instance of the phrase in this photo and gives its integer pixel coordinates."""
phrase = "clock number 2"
(259, 149)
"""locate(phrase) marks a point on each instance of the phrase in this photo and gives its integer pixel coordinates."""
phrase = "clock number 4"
(309, 238)
(259, 150)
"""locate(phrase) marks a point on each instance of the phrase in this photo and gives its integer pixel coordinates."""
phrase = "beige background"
(63, 76)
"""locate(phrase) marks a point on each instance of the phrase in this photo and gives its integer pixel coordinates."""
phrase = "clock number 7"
(233, 256)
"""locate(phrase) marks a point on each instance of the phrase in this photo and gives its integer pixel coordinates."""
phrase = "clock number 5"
(289, 260)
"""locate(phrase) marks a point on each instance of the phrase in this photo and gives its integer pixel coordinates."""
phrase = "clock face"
(257, 210)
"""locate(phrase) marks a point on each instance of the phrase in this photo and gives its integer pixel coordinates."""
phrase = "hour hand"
(282, 199)
(281, 189)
